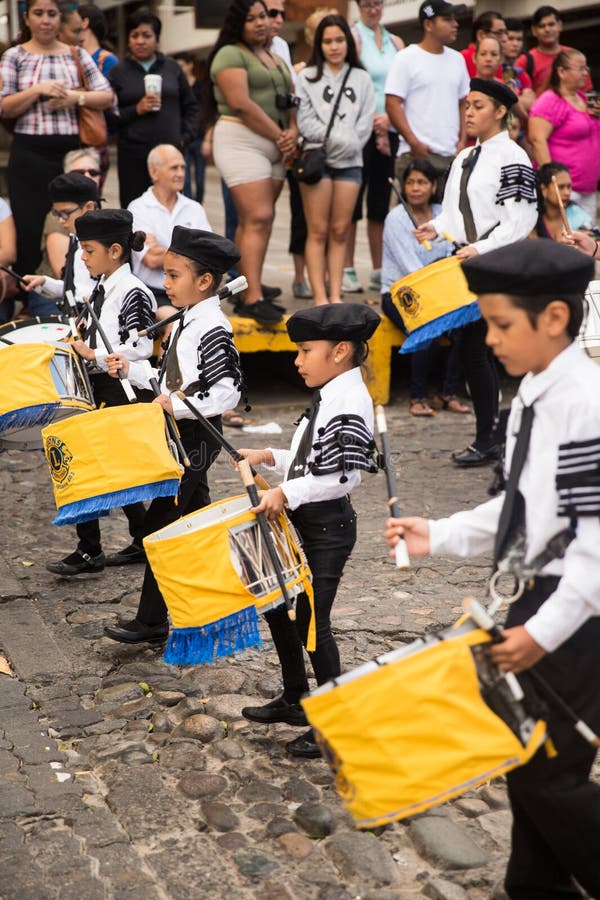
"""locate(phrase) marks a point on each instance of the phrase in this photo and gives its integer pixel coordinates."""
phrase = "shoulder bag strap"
(336, 105)
(80, 72)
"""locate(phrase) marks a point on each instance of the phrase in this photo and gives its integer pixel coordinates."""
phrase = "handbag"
(309, 165)
(92, 124)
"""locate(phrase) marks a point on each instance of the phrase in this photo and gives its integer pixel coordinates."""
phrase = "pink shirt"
(575, 139)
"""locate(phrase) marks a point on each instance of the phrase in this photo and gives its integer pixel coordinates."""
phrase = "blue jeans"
(231, 219)
(38, 305)
(194, 159)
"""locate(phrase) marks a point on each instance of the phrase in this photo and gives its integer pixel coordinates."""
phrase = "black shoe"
(304, 746)
(126, 557)
(270, 293)
(278, 710)
(77, 563)
(262, 311)
(135, 632)
(471, 456)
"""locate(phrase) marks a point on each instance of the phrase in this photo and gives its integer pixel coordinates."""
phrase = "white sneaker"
(350, 282)
(375, 280)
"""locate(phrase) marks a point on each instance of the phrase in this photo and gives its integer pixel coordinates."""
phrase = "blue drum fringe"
(198, 646)
(27, 417)
(96, 507)
(420, 338)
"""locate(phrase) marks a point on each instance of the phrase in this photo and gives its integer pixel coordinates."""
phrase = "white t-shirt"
(152, 217)
(282, 49)
(431, 86)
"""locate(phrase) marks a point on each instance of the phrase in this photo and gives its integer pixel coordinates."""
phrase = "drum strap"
(513, 510)
(296, 470)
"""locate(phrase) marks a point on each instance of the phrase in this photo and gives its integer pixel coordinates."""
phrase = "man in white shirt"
(157, 212)
(425, 92)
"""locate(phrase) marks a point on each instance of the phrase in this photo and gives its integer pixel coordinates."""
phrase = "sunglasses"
(63, 214)
(93, 173)
(274, 13)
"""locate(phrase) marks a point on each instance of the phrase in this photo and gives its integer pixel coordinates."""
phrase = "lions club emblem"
(59, 459)
(409, 301)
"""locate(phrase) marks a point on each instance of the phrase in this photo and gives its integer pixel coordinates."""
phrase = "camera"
(286, 101)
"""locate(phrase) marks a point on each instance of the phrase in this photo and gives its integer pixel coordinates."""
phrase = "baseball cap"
(432, 8)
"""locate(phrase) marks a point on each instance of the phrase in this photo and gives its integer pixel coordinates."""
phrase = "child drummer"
(330, 447)
(202, 361)
(122, 304)
(530, 295)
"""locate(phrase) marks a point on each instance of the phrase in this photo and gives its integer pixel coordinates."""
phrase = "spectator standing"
(513, 74)
(425, 92)
(147, 119)
(93, 37)
(334, 70)
(71, 27)
(488, 24)
(254, 134)
(546, 27)
(376, 48)
(157, 212)
(40, 91)
(563, 128)
(8, 255)
(197, 78)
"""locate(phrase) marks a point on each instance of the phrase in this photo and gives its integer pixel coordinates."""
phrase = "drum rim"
(16, 324)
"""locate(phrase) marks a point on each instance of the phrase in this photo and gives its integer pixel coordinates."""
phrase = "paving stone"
(472, 807)
(363, 855)
(333, 892)
(204, 728)
(219, 816)
(232, 840)
(498, 825)
(228, 706)
(134, 709)
(297, 846)
(220, 680)
(105, 726)
(168, 698)
(445, 843)
(260, 791)
(264, 811)
(279, 826)
(182, 755)
(196, 785)
(254, 864)
(298, 790)
(442, 889)
(495, 796)
(315, 819)
(119, 693)
(228, 749)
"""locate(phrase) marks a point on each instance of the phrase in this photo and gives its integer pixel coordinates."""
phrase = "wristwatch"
(81, 99)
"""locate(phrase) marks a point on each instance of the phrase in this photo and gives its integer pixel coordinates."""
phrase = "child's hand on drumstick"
(466, 252)
(415, 532)
(83, 350)
(425, 233)
(164, 401)
(517, 652)
(272, 503)
(256, 457)
(31, 282)
(116, 363)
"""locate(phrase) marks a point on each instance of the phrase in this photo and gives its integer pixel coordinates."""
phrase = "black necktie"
(298, 465)
(513, 509)
(173, 377)
(463, 200)
(69, 268)
(96, 303)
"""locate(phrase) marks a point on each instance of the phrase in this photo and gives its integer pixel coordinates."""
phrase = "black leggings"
(328, 533)
(482, 378)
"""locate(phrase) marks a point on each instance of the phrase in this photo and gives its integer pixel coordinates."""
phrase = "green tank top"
(263, 83)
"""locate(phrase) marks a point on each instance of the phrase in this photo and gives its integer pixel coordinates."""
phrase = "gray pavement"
(123, 777)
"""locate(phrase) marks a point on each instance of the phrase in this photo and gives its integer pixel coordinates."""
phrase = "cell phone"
(591, 97)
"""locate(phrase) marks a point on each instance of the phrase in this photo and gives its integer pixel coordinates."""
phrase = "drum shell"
(589, 336)
(414, 733)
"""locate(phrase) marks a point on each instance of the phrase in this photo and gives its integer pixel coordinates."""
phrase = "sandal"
(452, 404)
(420, 407)
(234, 419)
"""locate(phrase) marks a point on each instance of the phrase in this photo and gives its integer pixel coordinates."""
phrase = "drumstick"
(482, 618)
(125, 383)
(216, 434)
(401, 550)
(250, 485)
(403, 203)
(171, 423)
(563, 215)
(14, 275)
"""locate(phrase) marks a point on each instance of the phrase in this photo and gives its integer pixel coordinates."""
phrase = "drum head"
(40, 330)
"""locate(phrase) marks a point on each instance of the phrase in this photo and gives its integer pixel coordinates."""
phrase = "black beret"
(105, 224)
(333, 322)
(532, 268)
(496, 89)
(211, 251)
(72, 188)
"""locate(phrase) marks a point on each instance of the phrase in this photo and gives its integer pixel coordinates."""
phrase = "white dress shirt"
(84, 283)
(128, 304)
(501, 192)
(151, 216)
(344, 395)
(566, 398)
(202, 319)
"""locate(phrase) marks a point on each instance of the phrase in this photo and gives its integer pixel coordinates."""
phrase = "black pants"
(132, 169)
(556, 808)
(482, 378)
(328, 533)
(377, 168)
(109, 391)
(202, 450)
(33, 163)
(298, 230)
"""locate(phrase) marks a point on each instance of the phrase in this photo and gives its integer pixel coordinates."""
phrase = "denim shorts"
(350, 173)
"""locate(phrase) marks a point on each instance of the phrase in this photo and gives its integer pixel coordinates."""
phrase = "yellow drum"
(39, 383)
(432, 301)
(215, 575)
(411, 729)
(109, 458)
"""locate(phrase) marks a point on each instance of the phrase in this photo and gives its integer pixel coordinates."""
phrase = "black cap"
(333, 322)
(432, 8)
(209, 250)
(105, 224)
(533, 268)
(496, 89)
(72, 188)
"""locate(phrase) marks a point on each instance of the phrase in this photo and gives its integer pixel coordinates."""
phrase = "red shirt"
(542, 67)
(468, 55)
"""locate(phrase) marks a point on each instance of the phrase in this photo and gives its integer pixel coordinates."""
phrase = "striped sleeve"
(578, 478)
(345, 443)
(218, 358)
(517, 182)
(136, 313)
